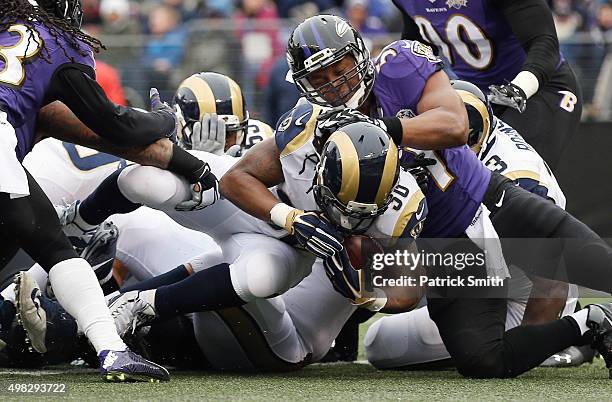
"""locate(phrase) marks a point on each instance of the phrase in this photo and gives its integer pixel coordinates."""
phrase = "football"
(360, 249)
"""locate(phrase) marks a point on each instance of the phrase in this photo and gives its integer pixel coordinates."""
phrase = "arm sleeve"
(74, 86)
(532, 23)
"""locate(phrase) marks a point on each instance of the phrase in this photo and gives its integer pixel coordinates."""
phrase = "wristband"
(186, 165)
(527, 82)
(394, 129)
(283, 215)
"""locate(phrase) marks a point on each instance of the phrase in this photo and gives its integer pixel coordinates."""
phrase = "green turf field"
(337, 381)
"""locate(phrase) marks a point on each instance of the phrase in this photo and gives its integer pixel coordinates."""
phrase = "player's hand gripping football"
(209, 134)
(314, 233)
(342, 275)
(158, 106)
(509, 95)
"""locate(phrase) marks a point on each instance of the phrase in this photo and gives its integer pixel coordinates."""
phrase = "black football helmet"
(358, 170)
(480, 113)
(321, 41)
(70, 10)
(209, 92)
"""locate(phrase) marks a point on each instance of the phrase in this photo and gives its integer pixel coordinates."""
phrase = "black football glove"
(509, 95)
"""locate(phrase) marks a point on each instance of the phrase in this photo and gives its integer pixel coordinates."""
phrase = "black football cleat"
(599, 320)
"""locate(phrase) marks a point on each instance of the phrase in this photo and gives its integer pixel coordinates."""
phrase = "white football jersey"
(294, 138)
(257, 131)
(506, 152)
(69, 172)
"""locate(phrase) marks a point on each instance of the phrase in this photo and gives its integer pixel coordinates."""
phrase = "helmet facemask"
(362, 73)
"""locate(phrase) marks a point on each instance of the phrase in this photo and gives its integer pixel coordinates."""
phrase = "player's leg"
(262, 267)
(551, 236)
(560, 100)
(35, 225)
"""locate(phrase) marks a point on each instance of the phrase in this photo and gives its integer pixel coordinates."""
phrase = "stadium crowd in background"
(156, 42)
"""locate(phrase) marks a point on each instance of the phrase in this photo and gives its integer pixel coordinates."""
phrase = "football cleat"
(127, 366)
(78, 236)
(573, 356)
(130, 312)
(599, 320)
(30, 314)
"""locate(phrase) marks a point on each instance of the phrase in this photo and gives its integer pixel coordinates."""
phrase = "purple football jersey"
(473, 35)
(25, 76)
(459, 179)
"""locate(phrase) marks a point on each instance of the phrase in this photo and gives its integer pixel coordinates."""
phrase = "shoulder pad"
(296, 127)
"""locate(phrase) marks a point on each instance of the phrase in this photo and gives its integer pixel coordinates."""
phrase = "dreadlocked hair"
(25, 13)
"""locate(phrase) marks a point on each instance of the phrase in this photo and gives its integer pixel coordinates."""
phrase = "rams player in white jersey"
(412, 340)
(299, 326)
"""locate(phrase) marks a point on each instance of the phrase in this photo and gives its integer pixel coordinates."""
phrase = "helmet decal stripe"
(350, 166)
(237, 101)
(202, 92)
(222, 95)
(317, 37)
(306, 50)
(389, 174)
(472, 100)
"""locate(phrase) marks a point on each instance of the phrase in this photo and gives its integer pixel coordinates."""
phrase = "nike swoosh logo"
(101, 263)
(300, 120)
(501, 199)
(420, 212)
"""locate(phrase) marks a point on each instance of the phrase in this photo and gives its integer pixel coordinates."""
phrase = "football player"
(411, 340)
(216, 104)
(509, 49)
(299, 326)
(46, 57)
(330, 66)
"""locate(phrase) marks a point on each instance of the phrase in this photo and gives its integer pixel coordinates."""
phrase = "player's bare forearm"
(57, 120)
(246, 183)
(442, 121)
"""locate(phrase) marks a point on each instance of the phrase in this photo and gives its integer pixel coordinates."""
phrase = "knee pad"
(151, 186)
(259, 275)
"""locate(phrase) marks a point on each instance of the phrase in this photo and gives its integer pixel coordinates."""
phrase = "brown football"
(360, 249)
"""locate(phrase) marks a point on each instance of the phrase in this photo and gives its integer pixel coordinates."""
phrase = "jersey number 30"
(14, 56)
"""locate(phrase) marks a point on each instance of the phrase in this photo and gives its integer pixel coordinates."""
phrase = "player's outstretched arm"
(442, 120)
(246, 183)
(57, 120)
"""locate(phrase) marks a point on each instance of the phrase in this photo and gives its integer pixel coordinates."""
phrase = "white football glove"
(209, 134)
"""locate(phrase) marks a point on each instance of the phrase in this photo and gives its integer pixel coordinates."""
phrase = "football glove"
(204, 191)
(209, 134)
(509, 95)
(329, 122)
(158, 106)
(343, 277)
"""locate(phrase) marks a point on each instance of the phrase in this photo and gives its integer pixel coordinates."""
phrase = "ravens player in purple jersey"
(45, 57)
(510, 50)
(399, 91)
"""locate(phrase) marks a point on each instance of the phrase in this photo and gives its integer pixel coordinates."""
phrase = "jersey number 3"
(14, 56)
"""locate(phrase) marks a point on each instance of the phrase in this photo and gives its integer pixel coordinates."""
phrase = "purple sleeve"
(403, 70)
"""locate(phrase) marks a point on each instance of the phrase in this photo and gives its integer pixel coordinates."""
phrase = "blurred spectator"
(358, 15)
(109, 80)
(217, 9)
(257, 27)
(567, 19)
(91, 15)
(302, 9)
(120, 32)
(187, 9)
(165, 48)
(604, 21)
(279, 96)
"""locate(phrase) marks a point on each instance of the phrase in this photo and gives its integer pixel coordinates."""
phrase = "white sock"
(9, 293)
(40, 276)
(77, 289)
(580, 317)
(148, 296)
